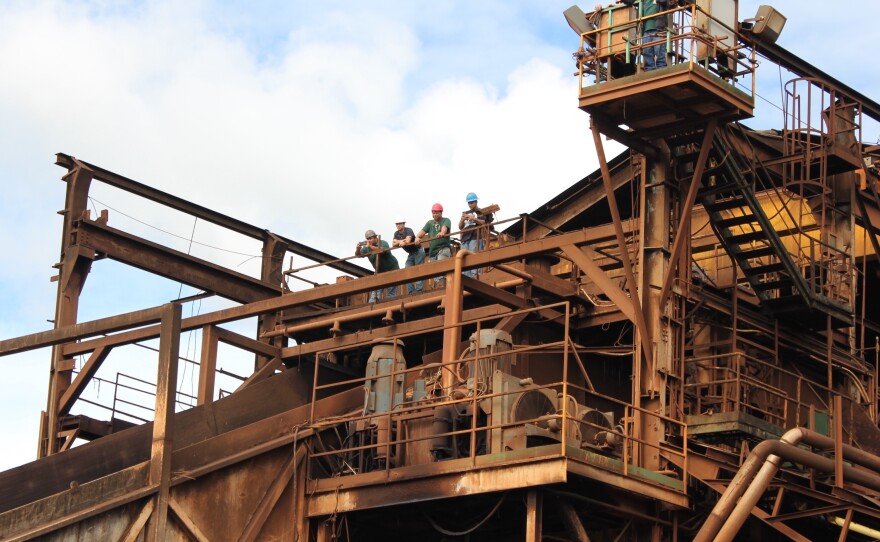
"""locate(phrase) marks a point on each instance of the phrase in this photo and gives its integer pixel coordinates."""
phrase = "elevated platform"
(665, 101)
(542, 465)
(712, 427)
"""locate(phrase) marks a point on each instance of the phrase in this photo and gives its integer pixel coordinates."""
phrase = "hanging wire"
(479, 524)
(173, 234)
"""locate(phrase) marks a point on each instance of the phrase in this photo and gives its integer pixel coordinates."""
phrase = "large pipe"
(451, 321)
(758, 471)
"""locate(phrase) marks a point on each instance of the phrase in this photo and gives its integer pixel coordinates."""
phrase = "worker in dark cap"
(381, 258)
(654, 28)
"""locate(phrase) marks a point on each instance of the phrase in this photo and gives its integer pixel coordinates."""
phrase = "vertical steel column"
(656, 206)
(621, 239)
(74, 267)
(451, 321)
(272, 272)
(207, 366)
(534, 513)
(163, 429)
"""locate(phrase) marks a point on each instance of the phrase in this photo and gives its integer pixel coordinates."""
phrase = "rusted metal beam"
(686, 208)
(147, 192)
(572, 522)
(443, 483)
(624, 253)
(270, 498)
(186, 522)
(83, 330)
(607, 127)
(271, 272)
(322, 293)
(172, 264)
(163, 430)
(82, 379)
(583, 258)
(504, 297)
(133, 531)
(534, 515)
(207, 365)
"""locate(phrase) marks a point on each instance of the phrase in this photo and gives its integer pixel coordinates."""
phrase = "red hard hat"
(437, 207)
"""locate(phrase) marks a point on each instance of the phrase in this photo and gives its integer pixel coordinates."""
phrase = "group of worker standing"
(436, 233)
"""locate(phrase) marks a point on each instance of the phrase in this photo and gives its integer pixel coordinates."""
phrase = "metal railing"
(486, 412)
(689, 40)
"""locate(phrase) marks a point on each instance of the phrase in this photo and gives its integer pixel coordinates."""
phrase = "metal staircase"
(761, 250)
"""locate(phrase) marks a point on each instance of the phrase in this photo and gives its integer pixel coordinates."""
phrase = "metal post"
(163, 430)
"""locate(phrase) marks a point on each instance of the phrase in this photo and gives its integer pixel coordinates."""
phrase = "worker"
(381, 258)
(415, 253)
(653, 31)
(474, 229)
(437, 229)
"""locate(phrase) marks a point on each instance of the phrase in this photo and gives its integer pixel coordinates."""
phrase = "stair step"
(685, 138)
(764, 269)
(771, 285)
(726, 204)
(748, 237)
(735, 221)
(756, 253)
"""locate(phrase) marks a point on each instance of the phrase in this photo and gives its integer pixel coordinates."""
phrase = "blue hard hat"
(471, 197)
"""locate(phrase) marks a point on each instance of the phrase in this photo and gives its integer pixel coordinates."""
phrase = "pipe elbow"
(459, 260)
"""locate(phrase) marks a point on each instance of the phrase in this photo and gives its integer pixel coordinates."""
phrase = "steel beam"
(682, 233)
(172, 264)
(163, 429)
(152, 194)
(322, 293)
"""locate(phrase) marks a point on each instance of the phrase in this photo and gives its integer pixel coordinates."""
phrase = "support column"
(74, 266)
(271, 272)
(163, 429)
(656, 205)
(534, 513)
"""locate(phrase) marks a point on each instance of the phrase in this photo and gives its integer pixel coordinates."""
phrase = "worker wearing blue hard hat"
(474, 226)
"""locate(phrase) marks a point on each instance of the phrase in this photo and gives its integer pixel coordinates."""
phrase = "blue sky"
(317, 120)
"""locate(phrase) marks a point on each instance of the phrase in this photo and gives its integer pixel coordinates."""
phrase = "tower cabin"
(705, 71)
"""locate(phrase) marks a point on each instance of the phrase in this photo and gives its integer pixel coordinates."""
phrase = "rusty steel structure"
(680, 346)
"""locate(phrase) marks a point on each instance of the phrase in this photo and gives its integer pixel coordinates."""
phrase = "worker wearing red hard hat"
(437, 231)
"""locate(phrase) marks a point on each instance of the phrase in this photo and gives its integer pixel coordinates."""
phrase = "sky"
(315, 120)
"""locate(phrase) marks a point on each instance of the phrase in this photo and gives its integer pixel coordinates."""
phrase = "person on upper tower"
(653, 31)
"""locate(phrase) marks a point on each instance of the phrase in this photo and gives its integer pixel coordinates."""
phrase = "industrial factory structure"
(680, 346)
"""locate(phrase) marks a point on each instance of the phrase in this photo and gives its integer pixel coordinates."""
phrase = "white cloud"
(315, 120)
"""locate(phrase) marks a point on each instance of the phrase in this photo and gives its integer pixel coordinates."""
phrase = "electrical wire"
(250, 256)
(446, 532)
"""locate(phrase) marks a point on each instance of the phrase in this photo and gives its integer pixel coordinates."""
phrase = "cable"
(441, 530)
(174, 234)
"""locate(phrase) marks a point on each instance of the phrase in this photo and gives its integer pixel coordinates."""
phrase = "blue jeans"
(473, 246)
(655, 55)
(415, 258)
(376, 295)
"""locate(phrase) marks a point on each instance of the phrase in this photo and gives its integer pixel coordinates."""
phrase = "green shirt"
(432, 229)
(387, 261)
